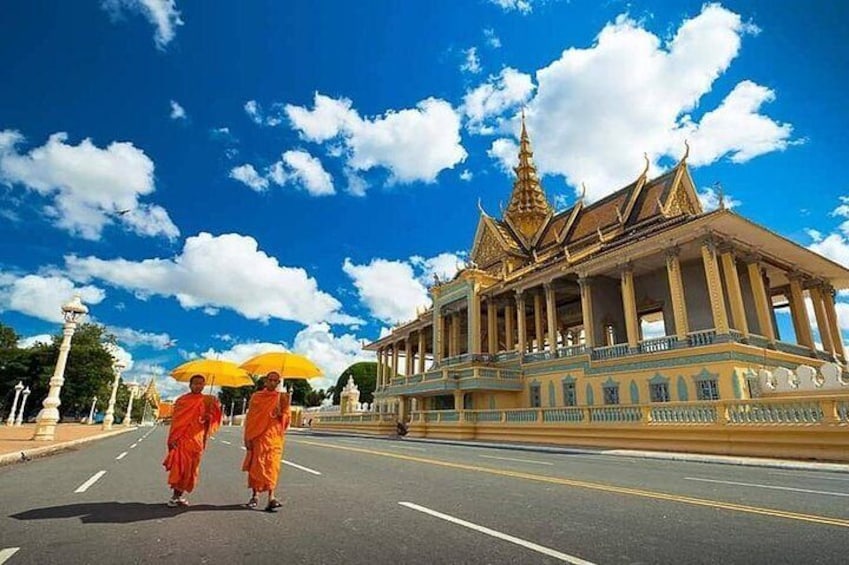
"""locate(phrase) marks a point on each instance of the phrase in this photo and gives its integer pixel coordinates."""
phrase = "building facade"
(641, 297)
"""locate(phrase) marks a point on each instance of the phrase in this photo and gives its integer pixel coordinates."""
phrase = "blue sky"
(295, 173)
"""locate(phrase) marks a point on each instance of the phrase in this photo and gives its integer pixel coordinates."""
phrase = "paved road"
(360, 500)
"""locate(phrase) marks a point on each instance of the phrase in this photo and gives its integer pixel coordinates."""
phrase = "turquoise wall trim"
(635, 393)
(610, 383)
(590, 399)
(736, 381)
(705, 375)
(571, 364)
(683, 396)
(552, 396)
(568, 379)
(659, 379)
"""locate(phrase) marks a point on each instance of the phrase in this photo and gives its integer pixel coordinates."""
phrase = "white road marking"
(502, 536)
(296, 466)
(772, 487)
(133, 446)
(6, 553)
(84, 487)
(515, 459)
(244, 448)
(225, 441)
(121, 456)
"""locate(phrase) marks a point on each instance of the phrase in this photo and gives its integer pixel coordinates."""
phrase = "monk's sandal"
(252, 503)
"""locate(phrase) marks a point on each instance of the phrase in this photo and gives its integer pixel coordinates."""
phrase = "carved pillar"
(438, 334)
(714, 285)
(801, 322)
(395, 359)
(551, 315)
(676, 291)
(735, 295)
(408, 355)
(380, 383)
(629, 305)
(491, 326)
(587, 311)
(538, 336)
(422, 352)
(520, 321)
(474, 322)
(823, 326)
(833, 323)
(509, 336)
(454, 347)
(763, 304)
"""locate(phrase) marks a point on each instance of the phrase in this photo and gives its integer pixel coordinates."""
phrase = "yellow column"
(458, 399)
(801, 322)
(833, 323)
(676, 291)
(763, 303)
(474, 322)
(822, 318)
(520, 321)
(454, 348)
(587, 311)
(714, 284)
(735, 295)
(551, 315)
(629, 304)
(538, 320)
(408, 356)
(491, 326)
(509, 337)
(379, 368)
(438, 334)
(422, 352)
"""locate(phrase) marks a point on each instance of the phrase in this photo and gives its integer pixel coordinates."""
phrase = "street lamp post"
(48, 417)
(133, 387)
(109, 418)
(232, 402)
(91, 412)
(20, 418)
(244, 401)
(11, 419)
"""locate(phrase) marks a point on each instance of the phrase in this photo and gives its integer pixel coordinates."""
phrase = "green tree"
(365, 377)
(238, 397)
(316, 397)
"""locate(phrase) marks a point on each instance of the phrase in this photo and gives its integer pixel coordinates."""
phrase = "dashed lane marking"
(7, 552)
(124, 454)
(94, 478)
(516, 459)
(302, 468)
(565, 557)
(771, 487)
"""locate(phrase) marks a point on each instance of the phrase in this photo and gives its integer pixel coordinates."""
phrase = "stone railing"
(704, 337)
(761, 411)
(611, 351)
(350, 418)
(654, 345)
(793, 348)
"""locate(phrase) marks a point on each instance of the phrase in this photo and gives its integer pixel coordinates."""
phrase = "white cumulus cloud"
(249, 176)
(87, 186)
(597, 109)
(499, 93)
(305, 171)
(242, 278)
(413, 144)
(162, 14)
(521, 6)
(177, 111)
(43, 296)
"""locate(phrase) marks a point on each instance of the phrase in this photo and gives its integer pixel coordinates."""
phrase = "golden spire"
(529, 209)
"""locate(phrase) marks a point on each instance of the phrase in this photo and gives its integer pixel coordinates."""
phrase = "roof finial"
(480, 207)
(686, 152)
(720, 194)
(646, 170)
(583, 192)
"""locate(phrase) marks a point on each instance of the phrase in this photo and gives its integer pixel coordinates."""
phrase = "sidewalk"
(664, 455)
(15, 440)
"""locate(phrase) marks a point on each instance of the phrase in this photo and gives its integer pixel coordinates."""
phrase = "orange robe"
(194, 419)
(265, 434)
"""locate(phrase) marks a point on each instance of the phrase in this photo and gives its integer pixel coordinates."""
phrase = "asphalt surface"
(363, 500)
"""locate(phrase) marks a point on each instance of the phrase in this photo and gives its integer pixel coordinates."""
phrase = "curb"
(15, 457)
(659, 455)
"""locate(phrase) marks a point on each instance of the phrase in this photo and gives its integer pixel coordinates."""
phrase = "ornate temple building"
(632, 312)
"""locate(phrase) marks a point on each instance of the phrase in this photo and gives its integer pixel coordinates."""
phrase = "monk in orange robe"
(265, 428)
(195, 417)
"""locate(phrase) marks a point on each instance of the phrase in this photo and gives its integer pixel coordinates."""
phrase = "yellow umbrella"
(215, 371)
(287, 365)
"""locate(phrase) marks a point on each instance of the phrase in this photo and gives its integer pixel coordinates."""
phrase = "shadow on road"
(118, 512)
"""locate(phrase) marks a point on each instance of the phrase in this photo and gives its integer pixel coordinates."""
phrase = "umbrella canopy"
(287, 365)
(215, 371)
